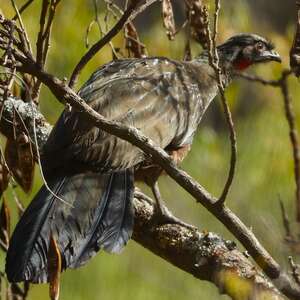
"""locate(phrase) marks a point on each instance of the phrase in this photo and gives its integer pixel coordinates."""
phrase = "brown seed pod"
(4, 176)
(4, 223)
(197, 14)
(132, 42)
(168, 18)
(19, 155)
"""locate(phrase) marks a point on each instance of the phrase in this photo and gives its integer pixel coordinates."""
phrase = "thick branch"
(132, 135)
(206, 256)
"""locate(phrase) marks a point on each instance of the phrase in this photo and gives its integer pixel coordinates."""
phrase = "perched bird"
(91, 173)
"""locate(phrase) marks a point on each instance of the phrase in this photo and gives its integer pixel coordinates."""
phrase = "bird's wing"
(153, 95)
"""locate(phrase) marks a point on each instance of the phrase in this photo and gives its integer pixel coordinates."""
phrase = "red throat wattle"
(242, 64)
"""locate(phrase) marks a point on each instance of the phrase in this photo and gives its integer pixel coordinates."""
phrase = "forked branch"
(205, 255)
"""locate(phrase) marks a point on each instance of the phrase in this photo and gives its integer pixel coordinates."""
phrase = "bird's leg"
(163, 215)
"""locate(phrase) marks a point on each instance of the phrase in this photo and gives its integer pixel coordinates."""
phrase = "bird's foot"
(164, 216)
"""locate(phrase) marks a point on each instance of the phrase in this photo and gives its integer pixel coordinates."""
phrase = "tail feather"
(100, 215)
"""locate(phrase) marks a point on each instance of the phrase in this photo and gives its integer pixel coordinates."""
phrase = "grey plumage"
(93, 170)
(99, 215)
(165, 99)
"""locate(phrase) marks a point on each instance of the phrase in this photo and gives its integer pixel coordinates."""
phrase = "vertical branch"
(295, 270)
(18, 16)
(290, 116)
(22, 9)
(40, 42)
(43, 41)
(47, 33)
(214, 62)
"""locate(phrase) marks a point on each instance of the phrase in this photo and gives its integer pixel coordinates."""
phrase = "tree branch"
(23, 8)
(43, 40)
(159, 156)
(214, 62)
(206, 256)
(26, 64)
(290, 116)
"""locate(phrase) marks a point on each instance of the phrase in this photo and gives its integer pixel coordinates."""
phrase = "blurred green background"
(264, 168)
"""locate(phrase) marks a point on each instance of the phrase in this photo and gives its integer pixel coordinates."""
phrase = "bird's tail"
(99, 215)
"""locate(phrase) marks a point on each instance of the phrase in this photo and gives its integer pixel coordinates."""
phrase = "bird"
(87, 204)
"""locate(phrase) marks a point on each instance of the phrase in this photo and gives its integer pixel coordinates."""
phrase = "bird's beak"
(269, 55)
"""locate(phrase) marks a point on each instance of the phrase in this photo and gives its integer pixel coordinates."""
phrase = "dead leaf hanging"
(4, 176)
(4, 223)
(26, 163)
(19, 155)
(197, 15)
(54, 268)
(132, 42)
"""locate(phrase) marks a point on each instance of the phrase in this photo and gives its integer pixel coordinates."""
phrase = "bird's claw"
(163, 216)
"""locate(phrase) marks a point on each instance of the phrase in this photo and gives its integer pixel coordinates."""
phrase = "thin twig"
(132, 135)
(214, 62)
(28, 45)
(295, 270)
(140, 9)
(40, 41)
(47, 33)
(43, 40)
(101, 43)
(286, 222)
(22, 9)
(258, 79)
(159, 156)
(290, 116)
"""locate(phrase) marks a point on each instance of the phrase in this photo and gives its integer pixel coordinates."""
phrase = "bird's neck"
(226, 67)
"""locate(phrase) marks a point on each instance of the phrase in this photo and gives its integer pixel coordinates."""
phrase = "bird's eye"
(260, 46)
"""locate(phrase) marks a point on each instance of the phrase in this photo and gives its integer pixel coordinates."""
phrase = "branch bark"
(26, 64)
(206, 256)
(222, 213)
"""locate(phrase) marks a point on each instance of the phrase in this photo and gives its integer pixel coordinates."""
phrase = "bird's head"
(244, 50)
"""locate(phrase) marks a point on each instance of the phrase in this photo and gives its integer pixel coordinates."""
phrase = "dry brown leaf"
(19, 155)
(26, 162)
(197, 15)
(132, 42)
(4, 176)
(11, 156)
(54, 268)
(168, 18)
(4, 223)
